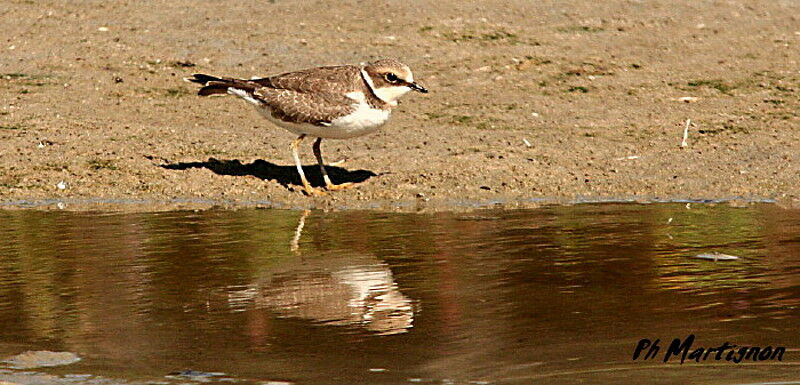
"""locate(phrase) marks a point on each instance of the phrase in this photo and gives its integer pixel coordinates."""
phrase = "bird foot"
(310, 191)
(341, 186)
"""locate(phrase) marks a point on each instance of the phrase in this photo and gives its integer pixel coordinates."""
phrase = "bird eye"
(391, 77)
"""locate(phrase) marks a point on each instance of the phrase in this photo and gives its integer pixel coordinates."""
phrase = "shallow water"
(551, 295)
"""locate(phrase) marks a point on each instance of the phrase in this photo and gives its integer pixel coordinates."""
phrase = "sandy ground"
(546, 99)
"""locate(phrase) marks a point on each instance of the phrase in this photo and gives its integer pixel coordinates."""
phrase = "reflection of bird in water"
(294, 246)
(357, 291)
(384, 308)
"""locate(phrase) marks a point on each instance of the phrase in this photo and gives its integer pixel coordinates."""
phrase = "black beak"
(418, 88)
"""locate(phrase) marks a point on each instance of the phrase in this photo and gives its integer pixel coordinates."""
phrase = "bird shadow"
(285, 175)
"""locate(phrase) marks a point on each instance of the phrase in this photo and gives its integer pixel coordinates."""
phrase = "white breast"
(362, 121)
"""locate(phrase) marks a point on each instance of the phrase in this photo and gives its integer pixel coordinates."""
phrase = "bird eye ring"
(391, 77)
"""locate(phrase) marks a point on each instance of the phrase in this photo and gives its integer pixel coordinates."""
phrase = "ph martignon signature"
(727, 351)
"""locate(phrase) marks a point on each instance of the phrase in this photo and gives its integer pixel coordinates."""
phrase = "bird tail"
(213, 85)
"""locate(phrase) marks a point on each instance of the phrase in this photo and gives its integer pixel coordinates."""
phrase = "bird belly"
(364, 120)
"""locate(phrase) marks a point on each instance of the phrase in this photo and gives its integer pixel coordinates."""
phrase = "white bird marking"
(391, 94)
(244, 95)
(357, 96)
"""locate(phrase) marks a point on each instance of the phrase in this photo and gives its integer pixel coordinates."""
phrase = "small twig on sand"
(686, 133)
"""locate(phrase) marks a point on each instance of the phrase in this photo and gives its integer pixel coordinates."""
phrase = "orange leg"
(307, 186)
(328, 184)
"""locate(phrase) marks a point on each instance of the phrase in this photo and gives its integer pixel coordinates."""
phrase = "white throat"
(391, 94)
(387, 94)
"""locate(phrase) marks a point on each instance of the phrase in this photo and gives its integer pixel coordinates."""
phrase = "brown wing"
(318, 108)
(333, 79)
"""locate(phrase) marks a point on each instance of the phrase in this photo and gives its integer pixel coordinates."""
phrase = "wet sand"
(554, 100)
